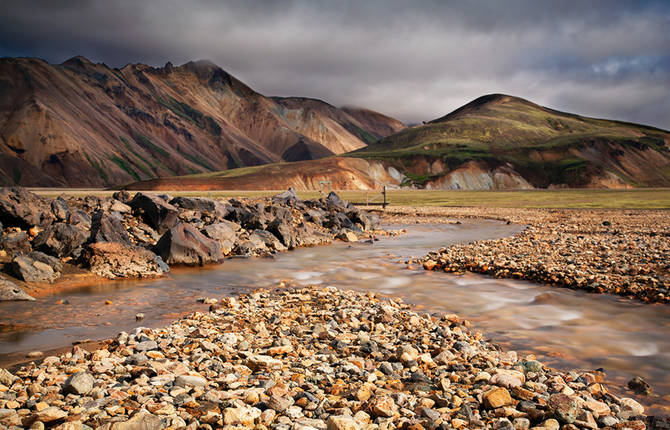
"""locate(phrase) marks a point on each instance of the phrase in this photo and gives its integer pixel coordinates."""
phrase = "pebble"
(256, 362)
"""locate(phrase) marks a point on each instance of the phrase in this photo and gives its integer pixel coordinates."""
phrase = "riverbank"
(622, 252)
(316, 357)
(49, 245)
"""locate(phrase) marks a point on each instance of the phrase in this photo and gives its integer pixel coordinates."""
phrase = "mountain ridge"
(80, 123)
(496, 141)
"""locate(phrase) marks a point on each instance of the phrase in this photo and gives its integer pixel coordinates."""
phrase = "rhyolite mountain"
(494, 142)
(84, 124)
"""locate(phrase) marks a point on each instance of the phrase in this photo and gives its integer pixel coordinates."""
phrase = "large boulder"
(334, 201)
(21, 208)
(210, 207)
(284, 231)
(108, 228)
(60, 239)
(9, 291)
(224, 233)
(80, 218)
(338, 220)
(15, 243)
(36, 267)
(121, 260)
(268, 239)
(184, 244)
(249, 217)
(289, 198)
(156, 212)
(366, 221)
(60, 209)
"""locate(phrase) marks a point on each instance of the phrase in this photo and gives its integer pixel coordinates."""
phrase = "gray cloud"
(412, 60)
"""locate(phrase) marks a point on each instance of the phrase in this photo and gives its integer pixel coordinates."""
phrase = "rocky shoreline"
(141, 235)
(622, 252)
(310, 358)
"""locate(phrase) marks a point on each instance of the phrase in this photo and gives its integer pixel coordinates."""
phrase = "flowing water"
(564, 328)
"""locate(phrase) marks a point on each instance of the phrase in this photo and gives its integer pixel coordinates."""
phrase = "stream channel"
(565, 329)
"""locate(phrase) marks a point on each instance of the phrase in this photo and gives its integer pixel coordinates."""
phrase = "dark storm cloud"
(413, 60)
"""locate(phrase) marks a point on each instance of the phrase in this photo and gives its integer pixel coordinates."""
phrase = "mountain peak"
(484, 102)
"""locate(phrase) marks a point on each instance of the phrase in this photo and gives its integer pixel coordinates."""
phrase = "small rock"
(342, 422)
(80, 383)
(496, 398)
(639, 386)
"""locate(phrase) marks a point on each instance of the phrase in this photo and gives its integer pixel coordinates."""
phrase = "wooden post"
(384, 204)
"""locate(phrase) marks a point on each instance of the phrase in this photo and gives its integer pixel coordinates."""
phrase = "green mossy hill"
(542, 144)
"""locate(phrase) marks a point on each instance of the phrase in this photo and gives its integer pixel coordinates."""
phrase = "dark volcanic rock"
(203, 205)
(108, 228)
(36, 267)
(249, 217)
(60, 239)
(60, 209)
(289, 198)
(80, 218)
(268, 239)
(122, 196)
(15, 243)
(21, 208)
(118, 260)
(224, 233)
(184, 244)
(155, 211)
(284, 231)
(9, 291)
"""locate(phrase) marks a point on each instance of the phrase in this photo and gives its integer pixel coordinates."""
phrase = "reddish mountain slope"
(85, 124)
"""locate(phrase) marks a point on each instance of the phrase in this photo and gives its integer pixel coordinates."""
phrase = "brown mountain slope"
(494, 142)
(85, 124)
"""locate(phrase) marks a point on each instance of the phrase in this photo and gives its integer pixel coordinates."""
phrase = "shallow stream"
(564, 328)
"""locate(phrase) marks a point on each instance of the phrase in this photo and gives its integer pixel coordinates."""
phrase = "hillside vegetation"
(543, 146)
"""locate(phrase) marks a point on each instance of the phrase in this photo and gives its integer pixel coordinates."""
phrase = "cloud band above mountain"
(414, 61)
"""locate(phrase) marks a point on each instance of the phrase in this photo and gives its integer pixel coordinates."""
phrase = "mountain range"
(494, 142)
(81, 124)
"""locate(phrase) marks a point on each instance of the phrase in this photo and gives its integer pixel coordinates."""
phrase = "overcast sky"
(412, 60)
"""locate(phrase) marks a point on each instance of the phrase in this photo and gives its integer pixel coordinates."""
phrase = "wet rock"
(116, 260)
(267, 239)
(639, 386)
(284, 232)
(629, 408)
(347, 236)
(80, 383)
(36, 267)
(108, 228)
(564, 407)
(184, 244)
(21, 208)
(9, 291)
(156, 212)
(60, 239)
